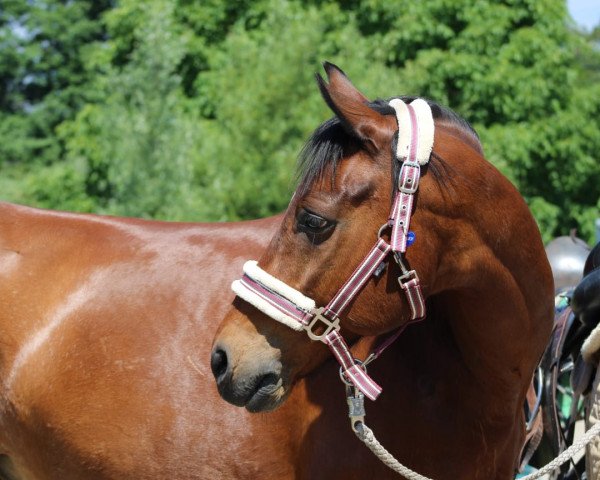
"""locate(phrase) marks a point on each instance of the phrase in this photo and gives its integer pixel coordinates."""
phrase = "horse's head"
(349, 176)
(342, 200)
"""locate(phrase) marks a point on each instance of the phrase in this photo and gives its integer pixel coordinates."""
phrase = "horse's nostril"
(218, 363)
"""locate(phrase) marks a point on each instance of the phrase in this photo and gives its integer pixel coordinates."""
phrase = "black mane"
(330, 142)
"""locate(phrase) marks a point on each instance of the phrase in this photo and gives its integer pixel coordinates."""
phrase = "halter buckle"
(408, 163)
(330, 325)
(411, 181)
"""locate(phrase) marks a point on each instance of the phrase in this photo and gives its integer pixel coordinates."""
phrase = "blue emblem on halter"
(410, 238)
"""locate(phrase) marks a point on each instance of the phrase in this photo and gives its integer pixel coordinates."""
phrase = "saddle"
(571, 359)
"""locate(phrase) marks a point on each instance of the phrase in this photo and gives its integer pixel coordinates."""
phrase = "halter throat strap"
(299, 312)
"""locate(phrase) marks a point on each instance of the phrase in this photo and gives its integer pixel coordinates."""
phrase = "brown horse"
(106, 327)
(455, 383)
(105, 331)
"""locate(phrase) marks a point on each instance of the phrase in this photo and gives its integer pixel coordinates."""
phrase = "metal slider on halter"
(330, 325)
(407, 275)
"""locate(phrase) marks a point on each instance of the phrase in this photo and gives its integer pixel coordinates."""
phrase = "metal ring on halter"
(343, 378)
(383, 228)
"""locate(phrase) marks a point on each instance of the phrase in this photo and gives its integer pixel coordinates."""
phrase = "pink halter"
(290, 307)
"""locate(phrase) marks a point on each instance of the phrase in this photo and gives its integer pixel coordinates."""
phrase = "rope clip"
(356, 408)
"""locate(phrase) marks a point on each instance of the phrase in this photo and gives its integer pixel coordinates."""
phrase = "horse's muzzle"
(258, 389)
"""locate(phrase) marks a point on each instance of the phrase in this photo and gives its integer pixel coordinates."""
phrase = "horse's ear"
(352, 108)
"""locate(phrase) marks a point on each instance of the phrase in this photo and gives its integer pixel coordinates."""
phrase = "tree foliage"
(138, 141)
(196, 110)
(43, 80)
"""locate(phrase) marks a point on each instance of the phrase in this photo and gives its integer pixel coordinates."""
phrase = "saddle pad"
(591, 346)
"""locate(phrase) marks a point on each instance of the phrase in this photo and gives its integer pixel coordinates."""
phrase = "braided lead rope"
(567, 454)
(365, 434)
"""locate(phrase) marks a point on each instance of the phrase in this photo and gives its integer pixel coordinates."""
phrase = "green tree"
(137, 142)
(510, 68)
(199, 109)
(43, 80)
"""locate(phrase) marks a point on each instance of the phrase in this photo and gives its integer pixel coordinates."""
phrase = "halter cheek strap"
(299, 312)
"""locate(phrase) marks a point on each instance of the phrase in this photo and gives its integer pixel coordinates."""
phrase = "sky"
(585, 12)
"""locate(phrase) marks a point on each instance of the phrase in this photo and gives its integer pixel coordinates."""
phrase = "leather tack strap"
(358, 279)
(414, 295)
(403, 204)
(350, 369)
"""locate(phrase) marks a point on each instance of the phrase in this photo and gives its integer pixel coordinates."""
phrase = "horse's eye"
(315, 223)
(312, 223)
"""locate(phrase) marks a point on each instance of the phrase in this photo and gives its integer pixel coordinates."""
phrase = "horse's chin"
(267, 399)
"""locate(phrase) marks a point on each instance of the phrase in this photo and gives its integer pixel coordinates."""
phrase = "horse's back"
(105, 327)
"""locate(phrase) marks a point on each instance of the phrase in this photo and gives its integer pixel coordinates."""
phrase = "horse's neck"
(493, 284)
(489, 339)
(449, 367)
(436, 395)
